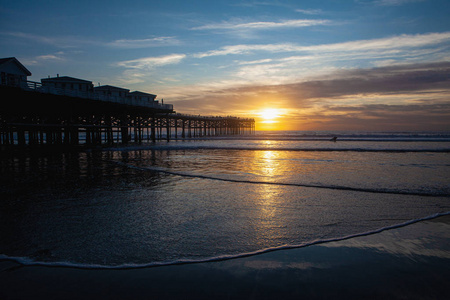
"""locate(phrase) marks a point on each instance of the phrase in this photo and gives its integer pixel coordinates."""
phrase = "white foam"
(293, 148)
(331, 187)
(26, 261)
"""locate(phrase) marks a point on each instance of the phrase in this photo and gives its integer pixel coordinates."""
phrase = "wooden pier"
(29, 118)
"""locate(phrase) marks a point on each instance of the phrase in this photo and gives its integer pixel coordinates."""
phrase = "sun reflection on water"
(268, 196)
(268, 163)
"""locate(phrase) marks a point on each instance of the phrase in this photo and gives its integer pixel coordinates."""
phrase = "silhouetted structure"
(70, 111)
(12, 72)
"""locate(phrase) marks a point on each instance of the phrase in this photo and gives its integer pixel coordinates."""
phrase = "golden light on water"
(269, 166)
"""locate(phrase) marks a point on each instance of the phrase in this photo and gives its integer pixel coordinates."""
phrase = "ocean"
(208, 199)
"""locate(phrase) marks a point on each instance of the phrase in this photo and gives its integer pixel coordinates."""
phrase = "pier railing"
(38, 87)
(211, 118)
(38, 118)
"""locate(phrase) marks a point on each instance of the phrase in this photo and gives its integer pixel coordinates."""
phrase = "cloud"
(394, 2)
(44, 59)
(247, 49)
(288, 63)
(432, 117)
(57, 41)
(151, 62)
(254, 3)
(392, 80)
(399, 97)
(410, 78)
(387, 2)
(76, 42)
(262, 25)
(49, 57)
(394, 43)
(310, 11)
(144, 43)
(132, 76)
(137, 70)
(260, 61)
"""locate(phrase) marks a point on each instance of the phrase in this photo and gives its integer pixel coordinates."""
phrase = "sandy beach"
(411, 262)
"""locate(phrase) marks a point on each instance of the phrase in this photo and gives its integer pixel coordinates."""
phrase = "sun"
(269, 115)
(269, 119)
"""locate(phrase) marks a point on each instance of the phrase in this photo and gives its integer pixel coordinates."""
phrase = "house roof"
(137, 93)
(66, 79)
(17, 62)
(110, 87)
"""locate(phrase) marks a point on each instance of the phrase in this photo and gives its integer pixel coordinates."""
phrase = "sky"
(368, 65)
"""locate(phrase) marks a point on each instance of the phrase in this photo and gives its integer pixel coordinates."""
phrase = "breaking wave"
(26, 261)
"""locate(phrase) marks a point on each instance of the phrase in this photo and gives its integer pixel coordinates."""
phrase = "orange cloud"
(405, 97)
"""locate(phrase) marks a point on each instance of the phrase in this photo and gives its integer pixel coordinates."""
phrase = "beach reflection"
(268, 198)
(429, 238)
(267, 164)
(423, 242)
(262, 264)
(268, 167)
(140, 206)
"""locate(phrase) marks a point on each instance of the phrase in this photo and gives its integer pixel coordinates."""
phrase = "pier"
(68, 111)
(31, 118)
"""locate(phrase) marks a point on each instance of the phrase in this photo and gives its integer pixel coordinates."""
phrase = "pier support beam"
(153, 129)
(168, 129)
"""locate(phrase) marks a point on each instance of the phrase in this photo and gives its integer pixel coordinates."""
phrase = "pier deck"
(29, 118)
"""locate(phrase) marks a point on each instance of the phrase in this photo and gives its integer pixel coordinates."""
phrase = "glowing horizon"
(358, 65)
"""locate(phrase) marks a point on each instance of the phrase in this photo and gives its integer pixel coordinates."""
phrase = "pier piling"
(35, 119)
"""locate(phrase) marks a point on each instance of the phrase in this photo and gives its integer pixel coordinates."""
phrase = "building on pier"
(12, 72)
(140, 96)
(111, 91)
(68, 83)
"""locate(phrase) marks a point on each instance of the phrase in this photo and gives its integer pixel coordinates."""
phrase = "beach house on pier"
(68, 83)
(142, 97)
(111, 91)
(12, 72)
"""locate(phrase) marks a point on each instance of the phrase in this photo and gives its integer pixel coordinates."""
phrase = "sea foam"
(27, 261)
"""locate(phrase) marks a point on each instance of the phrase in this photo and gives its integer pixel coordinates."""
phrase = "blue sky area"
(318, 65)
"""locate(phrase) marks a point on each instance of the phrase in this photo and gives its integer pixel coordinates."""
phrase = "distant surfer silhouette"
(334, 139)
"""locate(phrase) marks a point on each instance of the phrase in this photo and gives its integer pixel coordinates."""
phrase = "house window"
(11, 80)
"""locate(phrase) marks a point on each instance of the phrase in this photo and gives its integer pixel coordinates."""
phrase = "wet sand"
(411, 262)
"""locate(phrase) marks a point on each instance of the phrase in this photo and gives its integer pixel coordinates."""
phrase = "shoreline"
(410, 261)
(25, 261)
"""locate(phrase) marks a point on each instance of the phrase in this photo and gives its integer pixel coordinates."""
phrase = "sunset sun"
(270, 119)
(269, 115)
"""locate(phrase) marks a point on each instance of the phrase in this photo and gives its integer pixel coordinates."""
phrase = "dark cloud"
(386, 80)
(383, 117)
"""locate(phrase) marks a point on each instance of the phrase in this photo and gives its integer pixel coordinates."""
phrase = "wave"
(323, 138)
(425, 135)
(330, 187)
(316, 138)
(327, 135)
(26, 261)
(277, 148)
